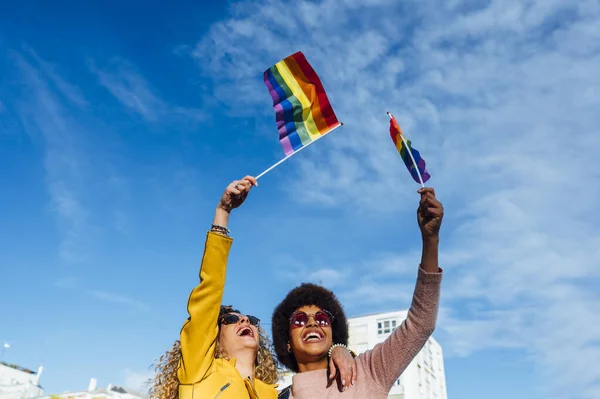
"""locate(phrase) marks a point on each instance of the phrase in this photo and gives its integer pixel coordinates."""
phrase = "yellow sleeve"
(199, 332)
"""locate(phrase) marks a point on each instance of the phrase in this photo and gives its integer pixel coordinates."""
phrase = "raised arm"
(387, 360)
(199, 332)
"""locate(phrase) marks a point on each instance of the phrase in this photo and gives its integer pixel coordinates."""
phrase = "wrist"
(223, 210)
(433, 240)
(334, 346)
(221, 216)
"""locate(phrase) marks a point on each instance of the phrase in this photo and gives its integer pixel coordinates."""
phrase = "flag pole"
(295, 152)
(409, 153)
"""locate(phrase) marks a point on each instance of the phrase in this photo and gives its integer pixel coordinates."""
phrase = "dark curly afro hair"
(306, 294)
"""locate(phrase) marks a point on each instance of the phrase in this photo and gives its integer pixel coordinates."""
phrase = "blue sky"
(120, 125)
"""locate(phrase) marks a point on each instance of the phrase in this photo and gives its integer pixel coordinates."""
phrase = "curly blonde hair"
(165, 384)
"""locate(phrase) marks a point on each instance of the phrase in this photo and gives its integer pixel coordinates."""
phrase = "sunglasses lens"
(322, 319)
(255, 321)
(230, 319)
(299, 319)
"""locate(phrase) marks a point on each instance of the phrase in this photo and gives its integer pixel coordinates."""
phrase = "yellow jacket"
(201, 376)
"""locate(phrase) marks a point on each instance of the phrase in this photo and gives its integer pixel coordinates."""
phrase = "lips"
(245, 332)
(312, 336)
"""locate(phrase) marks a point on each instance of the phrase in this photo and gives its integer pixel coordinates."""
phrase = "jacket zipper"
(252, 386)
(223, 388)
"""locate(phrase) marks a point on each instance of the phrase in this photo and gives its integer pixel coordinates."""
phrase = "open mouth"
(312, 336)
(245, 331)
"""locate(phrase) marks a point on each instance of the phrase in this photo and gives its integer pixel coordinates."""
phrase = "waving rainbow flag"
(302, 109)
(411, 157)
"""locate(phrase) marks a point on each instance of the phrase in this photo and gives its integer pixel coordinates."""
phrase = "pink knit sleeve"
(387, 360)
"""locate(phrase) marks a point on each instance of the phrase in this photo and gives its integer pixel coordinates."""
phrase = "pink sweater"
(381, 366)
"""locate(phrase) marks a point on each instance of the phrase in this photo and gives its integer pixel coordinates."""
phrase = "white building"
(18, 382)
(424, 378)
(111, 392)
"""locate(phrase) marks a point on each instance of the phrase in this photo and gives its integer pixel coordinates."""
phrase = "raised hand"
(236, 193)
(429, 214)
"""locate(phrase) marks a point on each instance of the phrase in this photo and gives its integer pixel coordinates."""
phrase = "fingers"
(425, 190)
(332, 369)
(343, 377)
(245, 184)
(354, 372)
(252, 180)
(342, 365)
(346, 376)
(429, 202)
(239, 187)
(234, 188)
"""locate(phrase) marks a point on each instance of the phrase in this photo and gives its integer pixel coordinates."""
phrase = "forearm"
(221, 217)
(389, 359)
(429, 256)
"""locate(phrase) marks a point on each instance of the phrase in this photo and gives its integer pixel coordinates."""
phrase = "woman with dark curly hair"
(222, 353)
(310, 319)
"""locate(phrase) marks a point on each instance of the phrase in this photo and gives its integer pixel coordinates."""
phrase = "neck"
(244, 363)
(312, 366)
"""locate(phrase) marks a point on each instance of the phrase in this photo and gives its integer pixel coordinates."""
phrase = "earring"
(289, 348)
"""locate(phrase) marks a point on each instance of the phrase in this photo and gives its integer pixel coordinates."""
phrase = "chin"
(251, 344)
(316, 351)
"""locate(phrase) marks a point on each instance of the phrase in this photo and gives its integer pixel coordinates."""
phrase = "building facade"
(424, 378)
(19, 383)
(110, 392)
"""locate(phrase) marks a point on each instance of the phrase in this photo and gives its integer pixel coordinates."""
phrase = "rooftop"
(110, 389)
(17, 367)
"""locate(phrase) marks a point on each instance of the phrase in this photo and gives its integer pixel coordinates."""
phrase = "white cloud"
(501, 99)
(130, 88)
(67, 90)
(386, 296)
(119, 299)
(45, 118)
(318, 272)
(74, 284)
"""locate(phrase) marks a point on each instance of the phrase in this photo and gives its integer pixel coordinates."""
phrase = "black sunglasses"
(232, 318)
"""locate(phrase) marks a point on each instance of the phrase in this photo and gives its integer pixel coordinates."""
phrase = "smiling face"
(238, 336)
(311, 341)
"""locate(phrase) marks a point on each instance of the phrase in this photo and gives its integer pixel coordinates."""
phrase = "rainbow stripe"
(396, 134)
(302, 109)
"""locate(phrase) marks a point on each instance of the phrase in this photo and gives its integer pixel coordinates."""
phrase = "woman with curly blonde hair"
(165, 384)
(221, 354)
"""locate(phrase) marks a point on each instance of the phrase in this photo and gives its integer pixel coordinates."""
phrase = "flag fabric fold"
(302, 110)
(404, 146)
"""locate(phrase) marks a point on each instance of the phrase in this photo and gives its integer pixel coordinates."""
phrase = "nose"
(244, 319)
(312, 321)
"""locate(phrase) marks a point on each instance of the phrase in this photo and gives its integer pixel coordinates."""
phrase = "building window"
(385, 326)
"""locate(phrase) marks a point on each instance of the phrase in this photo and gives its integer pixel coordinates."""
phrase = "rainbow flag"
(401, 143)
(302, 109)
